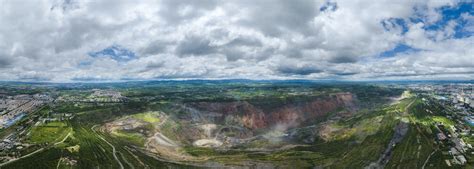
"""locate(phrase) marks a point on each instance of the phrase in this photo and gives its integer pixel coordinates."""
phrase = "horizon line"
(233, 79)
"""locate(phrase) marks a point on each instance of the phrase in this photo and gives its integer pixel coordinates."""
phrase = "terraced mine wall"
(291, 114)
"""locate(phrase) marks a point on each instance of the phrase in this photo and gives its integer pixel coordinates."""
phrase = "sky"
(121, 40)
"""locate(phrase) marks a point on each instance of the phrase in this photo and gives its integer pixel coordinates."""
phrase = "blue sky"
(400, 48)
(455, 13)
(78, 40)
(448, 14)
(115, 52)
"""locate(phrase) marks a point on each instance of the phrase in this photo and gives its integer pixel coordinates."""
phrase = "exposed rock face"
(347, 99)
(289, 115)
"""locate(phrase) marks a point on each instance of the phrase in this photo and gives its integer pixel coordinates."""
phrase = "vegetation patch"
(150, 117)
(49, 132)
(359, 130)
(133, 137)
(73, 149)
(443, 120)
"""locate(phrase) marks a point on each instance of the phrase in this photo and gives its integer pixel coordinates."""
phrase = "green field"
(49, 132)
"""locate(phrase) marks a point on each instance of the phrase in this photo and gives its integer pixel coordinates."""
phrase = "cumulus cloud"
(83, 40)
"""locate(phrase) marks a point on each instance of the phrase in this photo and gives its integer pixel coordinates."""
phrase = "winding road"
(160, 138)
(114, 151)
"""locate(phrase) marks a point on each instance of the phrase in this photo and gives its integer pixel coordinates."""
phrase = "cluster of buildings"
(458, 103)
(461, 95)
(97, 96)
(458, 96)
(55, 117)
(450, 136)
(13, 108)
(107, 93)
(12, 145)
(462, 99)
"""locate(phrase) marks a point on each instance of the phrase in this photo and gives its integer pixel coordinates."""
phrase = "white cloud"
(52, 39)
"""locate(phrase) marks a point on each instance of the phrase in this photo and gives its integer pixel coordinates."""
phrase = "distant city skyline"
(121, 40)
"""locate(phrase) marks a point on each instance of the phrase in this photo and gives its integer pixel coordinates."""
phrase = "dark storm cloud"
(427, 73)
(343, 59)
(174, 75)
(293, 53)
(88, 79)
(155, 47)
(170, 10)
(33, 77)
(233, 54)
(4, 62)
(298, 70)
(65, 6)
(275, 17)
(153, 65)
(344, 73)
(194, 46)
(245, 41)
(80, 30)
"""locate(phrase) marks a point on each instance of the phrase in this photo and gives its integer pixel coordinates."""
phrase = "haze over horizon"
(84, 40)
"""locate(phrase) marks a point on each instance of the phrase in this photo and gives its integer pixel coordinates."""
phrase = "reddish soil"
(290, 115)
